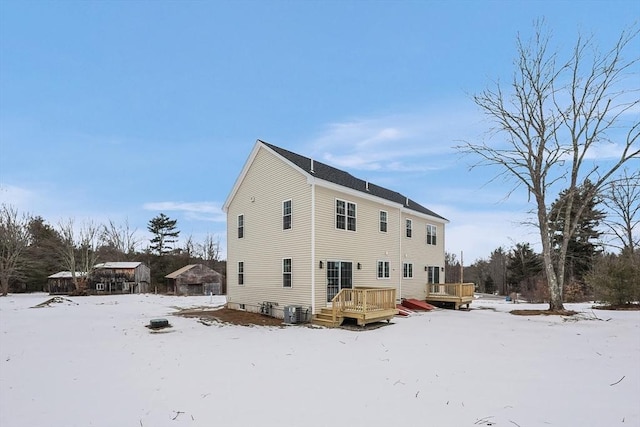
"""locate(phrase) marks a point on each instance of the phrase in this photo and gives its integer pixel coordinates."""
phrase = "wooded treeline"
(603, 256)
(31, 249)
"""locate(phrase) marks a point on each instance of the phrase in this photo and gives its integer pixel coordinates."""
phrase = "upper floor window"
(286, 215)
(383, 221)
(407, 270)
(408, 226)
(345, 215)
(383, 269)
(286, 272)
(241, 273)
(240, 226)
(431, 234)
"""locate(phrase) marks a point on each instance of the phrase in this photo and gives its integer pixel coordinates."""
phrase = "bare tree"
(622, 197)
(210, 249)
(67, 251)
(554, 117)
(88, 245)
(78, 253)
(14, 240)
(121, 238)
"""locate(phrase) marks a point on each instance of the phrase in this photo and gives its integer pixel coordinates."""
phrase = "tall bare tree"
(210, 249)
(78, 252)
(622, 197)
(121, 238)
(14, 240)
(550, 121)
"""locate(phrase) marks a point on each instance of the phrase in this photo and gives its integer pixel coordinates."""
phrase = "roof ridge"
(341, 177)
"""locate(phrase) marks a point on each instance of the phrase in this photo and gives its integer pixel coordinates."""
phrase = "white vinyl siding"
(267, 183)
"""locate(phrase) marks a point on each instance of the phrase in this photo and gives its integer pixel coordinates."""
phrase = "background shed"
(195, 279)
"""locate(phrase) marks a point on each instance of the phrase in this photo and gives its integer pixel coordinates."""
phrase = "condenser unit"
(294, 314)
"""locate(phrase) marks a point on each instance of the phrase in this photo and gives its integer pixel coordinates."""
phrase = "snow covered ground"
(94, 363)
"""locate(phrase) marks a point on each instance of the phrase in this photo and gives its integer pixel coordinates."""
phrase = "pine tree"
(583, 242)
(165, 234)
(523, 267)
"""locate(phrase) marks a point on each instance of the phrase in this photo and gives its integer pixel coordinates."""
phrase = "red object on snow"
(403, 311)
(415, 304)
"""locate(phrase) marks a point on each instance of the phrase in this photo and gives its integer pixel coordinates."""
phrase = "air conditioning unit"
(294, 314)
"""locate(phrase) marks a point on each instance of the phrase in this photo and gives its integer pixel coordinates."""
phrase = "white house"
(299, 231)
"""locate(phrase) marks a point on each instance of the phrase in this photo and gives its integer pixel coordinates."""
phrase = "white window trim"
(408, 226)
(239, 272)
(434, 235)
(290, 273)
(346, 215)
(238, 226)
(99, 286)
(410, 275)
(388, 277)
(386, 222)
(290, 214)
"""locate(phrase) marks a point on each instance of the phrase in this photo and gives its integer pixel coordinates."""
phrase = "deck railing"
(452, 289)
(363, 300)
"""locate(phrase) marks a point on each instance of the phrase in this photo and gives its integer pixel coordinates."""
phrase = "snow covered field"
(93, 363)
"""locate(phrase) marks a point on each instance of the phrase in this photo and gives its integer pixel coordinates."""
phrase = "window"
(383, 269)
(240, 226)
(345, 215)
(431, 234)
(383, 221)
(408, 224)
(407, 270)
(286, 215)
(241, 273)
(433, 275)
(99, 286)
(286, 273)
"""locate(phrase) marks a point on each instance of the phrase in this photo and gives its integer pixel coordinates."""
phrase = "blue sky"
(120, 110)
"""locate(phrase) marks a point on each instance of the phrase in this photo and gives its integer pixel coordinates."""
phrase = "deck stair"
(325, 318)
(364, 304)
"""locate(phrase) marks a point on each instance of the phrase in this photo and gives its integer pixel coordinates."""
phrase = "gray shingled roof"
(345, 179)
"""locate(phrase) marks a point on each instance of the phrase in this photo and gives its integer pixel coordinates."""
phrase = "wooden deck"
(366, 305)
(457, 293)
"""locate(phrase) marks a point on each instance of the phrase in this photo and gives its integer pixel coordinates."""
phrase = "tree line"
(602, 261)
(31, 249)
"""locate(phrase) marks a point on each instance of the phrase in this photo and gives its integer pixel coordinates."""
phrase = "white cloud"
(197, 211)
(411, 142)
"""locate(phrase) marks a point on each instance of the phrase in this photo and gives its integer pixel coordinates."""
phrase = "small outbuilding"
(195, 279)
(61, 283)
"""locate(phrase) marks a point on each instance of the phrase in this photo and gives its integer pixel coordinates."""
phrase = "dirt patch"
(234, 317)
(628, 307)
(543, 312)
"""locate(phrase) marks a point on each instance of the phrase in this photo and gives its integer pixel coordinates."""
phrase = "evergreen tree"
(582, 246)
(42, 254)
(165, 234)
(523, 267)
